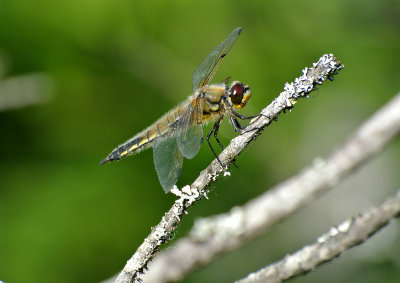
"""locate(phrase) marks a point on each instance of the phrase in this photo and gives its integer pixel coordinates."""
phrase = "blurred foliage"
(116, 66)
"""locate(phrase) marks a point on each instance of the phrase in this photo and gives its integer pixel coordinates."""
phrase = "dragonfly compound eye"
(239, 95)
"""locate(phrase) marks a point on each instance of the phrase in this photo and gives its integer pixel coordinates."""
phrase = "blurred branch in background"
(330, 245)
(21, 91)
(220, 234)
(326, 67)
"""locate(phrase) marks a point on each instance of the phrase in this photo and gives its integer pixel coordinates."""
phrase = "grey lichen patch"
(221, 228)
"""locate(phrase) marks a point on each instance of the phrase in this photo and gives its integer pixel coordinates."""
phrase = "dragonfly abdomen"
(144, 139)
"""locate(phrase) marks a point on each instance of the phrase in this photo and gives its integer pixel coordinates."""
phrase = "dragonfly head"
(239, 94)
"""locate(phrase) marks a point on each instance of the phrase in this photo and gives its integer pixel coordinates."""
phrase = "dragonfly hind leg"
(216, 126)
(215, 129)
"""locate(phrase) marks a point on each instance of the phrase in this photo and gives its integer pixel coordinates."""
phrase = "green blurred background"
(104, 70)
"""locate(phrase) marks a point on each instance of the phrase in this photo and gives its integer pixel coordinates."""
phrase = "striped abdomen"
(163, 127)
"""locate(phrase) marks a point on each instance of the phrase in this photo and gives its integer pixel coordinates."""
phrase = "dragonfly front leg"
(236, 125)
(241, 117)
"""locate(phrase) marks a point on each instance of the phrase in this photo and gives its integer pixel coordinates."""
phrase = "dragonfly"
(179, 133)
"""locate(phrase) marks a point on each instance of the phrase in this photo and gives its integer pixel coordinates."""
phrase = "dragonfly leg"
(241, 117)
(209, 144)
(215, 129)
(217, 124)
(236, 125)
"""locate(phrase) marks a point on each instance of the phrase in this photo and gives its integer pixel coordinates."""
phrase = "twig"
(216, 235)
(325, 68)
(337, 240)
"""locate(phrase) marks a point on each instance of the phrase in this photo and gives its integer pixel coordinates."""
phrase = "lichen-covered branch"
(326, 67)
(337, 240)
(216, 235)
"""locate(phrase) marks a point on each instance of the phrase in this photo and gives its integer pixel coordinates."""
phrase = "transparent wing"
(206, 70)
(189, 135)
(168, 162)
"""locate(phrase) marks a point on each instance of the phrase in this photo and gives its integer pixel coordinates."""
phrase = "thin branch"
(216, 235)
(325, 68)
(337, 240)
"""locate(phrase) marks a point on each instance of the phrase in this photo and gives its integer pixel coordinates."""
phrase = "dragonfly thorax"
(239, 94)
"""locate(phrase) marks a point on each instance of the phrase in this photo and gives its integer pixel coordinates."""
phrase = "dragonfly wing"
(190, 128)
(206, 70)
(168, 162)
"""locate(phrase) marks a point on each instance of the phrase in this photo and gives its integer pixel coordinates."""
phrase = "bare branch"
(216, 235)
(337, 240)
(325, 68)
